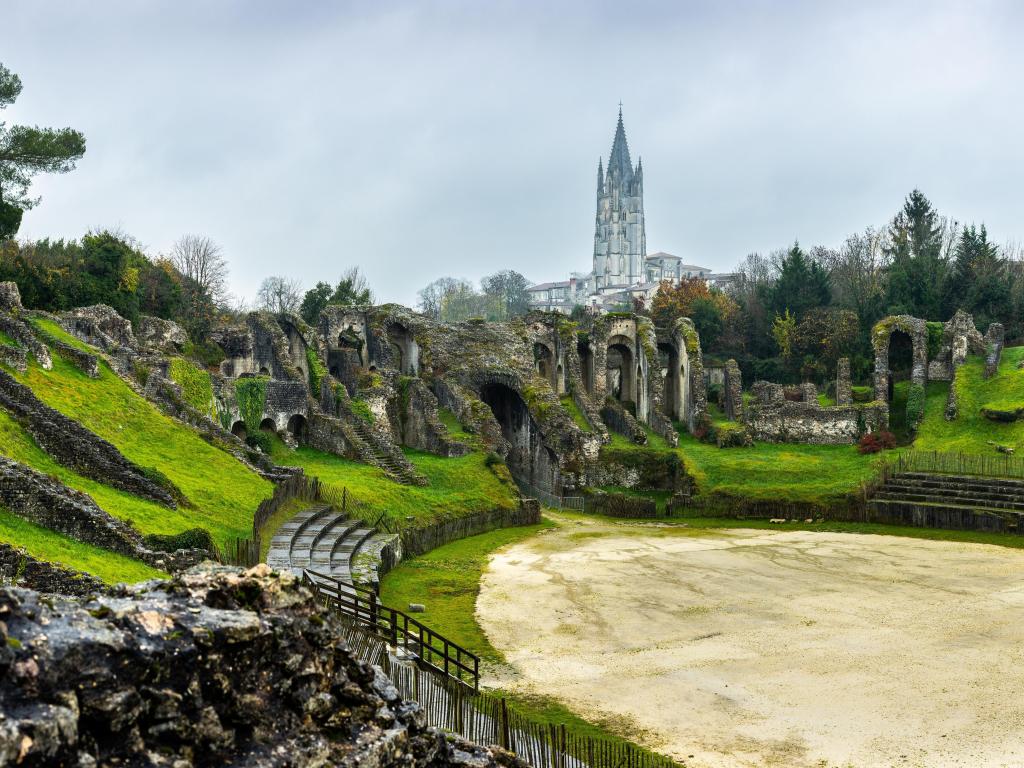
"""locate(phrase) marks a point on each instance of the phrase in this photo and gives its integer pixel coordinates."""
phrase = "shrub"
(715, 394)
(915, 405)
(732, 435)
(208, 353)
(934, 338)
(260, 439)
(873, 442)
(193, 538)
(492, 460)
(361, 409)
(863, 394)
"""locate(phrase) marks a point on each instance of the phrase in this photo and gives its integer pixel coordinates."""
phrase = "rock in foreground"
(215, 667)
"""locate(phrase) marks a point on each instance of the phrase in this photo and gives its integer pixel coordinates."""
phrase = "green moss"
(316, 371)
(195, 383)
(251, 394)
(44, 544)
(577, 415)
(361, 408)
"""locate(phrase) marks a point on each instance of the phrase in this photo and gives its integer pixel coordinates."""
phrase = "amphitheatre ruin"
(603, 570)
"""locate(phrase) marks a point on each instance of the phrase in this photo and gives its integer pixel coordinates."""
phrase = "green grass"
(447, 582)
(825, 401)
(770, 471)
(970, 431)
(196, 387)
(577, 415)
(44, 544)
(5, 339)
(458, 486)
(224, 492)
(455, 429)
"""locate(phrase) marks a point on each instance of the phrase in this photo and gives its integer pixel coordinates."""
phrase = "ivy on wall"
(251, 394)
(195, 383)
(316, 371)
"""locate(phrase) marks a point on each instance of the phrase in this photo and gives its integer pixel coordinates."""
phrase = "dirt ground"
(765, 648)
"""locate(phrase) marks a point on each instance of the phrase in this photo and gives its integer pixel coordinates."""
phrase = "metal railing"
(549, 499)
(396, 628)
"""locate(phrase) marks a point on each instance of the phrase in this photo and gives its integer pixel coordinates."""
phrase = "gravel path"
(764, 648)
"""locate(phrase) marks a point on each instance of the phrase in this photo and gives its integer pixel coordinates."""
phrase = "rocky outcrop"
(75, 447)
(217, 667)
(19, 569)
(159, 335)
(100, 326)
(14, 357)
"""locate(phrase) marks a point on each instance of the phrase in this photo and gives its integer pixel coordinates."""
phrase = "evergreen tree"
(802, 285)
(917, 265)
(978, 281)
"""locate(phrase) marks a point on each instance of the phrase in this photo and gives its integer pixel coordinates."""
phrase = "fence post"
(344, 498)
(503, 722)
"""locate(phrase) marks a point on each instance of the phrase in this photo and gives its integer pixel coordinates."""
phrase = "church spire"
(600, 175)
(618, 162)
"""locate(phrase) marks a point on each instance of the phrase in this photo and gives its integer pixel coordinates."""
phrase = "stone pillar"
(733, 389)
(844, 387)
(810, 393)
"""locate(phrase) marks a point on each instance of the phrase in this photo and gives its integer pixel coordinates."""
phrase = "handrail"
(396, 627)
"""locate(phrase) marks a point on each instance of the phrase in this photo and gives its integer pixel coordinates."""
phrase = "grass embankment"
(769, 471)
(971, 432)
(44, 544)
(447, 582)
(223, 492)
(577, 415)
(458, 486)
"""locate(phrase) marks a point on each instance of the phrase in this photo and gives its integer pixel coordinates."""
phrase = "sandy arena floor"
(764, 648)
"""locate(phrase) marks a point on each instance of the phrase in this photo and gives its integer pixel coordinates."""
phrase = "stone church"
(622, 269)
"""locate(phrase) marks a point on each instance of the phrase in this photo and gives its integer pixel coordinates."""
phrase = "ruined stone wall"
(74, 446)
(772, 418)
(19, 569)
(421, 427)
(844, 383)
(733, 388)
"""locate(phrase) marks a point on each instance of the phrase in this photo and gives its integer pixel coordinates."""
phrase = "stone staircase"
(962, 502)
(321, 539)
(389, 458)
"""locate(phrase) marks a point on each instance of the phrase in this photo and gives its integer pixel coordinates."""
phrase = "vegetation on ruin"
(196, 387)
(317, 371)
(971, 432)
(44, 544)
(251, 396)
(577, 415)
(458, 486)
(223, 492)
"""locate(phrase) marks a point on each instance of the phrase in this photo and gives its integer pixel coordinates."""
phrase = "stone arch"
(238, 430)
(908, 327)
(264, 371)
(528, 458)
(586, 355)
(673, 373)
(621, 368)
(544, 359)
(404, 349)
(298, 428)
(268, 425)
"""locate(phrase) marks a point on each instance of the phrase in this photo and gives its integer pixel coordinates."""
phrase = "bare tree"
(201, 261)
(279, 294)
(433, 297)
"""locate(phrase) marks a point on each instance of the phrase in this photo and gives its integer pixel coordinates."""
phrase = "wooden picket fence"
(950, 463)
(484, 718)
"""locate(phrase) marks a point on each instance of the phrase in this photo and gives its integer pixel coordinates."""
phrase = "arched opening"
(349, 339)
(901, 364)
(297, 427)
(404, 349)
(334, 371)
(545, 362)
(268, 425)
(238, 430)
(563, 385)
(264, 371)
(586, 365)
(672, 376)
(513, 416)
(621, 379)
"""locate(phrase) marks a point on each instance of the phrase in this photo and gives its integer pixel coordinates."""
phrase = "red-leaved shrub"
(873, 442)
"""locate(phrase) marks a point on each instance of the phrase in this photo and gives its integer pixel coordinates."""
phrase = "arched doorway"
(268, 425)
(404, 349)
(513, 416)
(586, 365)
(238, 430)
(297, 427)
(671, 372)
(621, 368)
(544, 359)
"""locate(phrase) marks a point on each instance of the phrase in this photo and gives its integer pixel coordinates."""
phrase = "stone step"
(948, 499)
(989, 482)
(914, 486)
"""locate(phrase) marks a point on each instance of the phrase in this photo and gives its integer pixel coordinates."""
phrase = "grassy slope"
(223, 491)
(970, 431)
(45, 544)
(574, 410)
(457, 487)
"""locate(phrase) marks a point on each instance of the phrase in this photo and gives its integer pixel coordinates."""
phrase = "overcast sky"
(424, 139)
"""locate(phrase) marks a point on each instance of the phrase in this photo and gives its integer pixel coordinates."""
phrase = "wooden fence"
(945, 462)
(400, 630)
(484, 718)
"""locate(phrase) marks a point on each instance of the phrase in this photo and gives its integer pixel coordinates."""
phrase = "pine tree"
(918, 268)
(802, 285)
